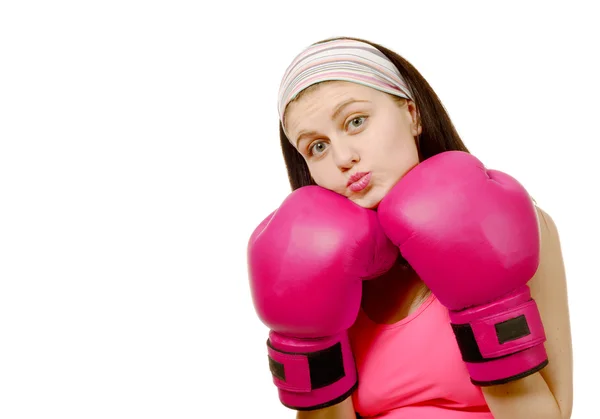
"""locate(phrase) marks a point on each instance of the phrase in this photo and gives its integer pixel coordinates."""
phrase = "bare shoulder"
(547, 224)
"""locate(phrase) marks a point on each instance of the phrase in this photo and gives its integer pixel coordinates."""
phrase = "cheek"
(324, 174)
(399, 152)
(397, 157)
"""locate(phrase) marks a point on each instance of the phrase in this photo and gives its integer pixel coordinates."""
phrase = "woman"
(357, 121)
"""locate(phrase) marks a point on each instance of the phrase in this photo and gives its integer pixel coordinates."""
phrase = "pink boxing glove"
(307, 261)
(472, 235)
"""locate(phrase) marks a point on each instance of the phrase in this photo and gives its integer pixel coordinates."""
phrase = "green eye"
(356, 122)
(317, 147)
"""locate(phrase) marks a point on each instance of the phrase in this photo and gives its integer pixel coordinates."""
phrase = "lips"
(359, 181)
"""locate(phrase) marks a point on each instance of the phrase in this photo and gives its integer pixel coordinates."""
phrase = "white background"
(139, 149)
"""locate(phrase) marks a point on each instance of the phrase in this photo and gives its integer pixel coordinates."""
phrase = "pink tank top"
(412, 369)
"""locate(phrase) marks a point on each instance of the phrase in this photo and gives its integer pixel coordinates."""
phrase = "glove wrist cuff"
(312, 373)
(501, 341)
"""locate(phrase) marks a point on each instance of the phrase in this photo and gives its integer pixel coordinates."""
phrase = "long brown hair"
(438, 132)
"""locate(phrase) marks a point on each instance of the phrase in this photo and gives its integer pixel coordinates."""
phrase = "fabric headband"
(340, 59)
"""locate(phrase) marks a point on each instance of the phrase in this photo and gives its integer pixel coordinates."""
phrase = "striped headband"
(340, 59)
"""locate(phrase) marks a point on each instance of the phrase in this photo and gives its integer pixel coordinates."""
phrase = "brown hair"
(438, 133)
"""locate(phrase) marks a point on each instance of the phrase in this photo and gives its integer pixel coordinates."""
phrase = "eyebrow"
(343, 105)
(338, 109)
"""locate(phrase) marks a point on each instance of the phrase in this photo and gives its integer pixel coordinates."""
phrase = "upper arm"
(342, 410)
(549, 391)
(549, 290)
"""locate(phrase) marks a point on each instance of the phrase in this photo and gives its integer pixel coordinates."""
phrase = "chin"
(368, 201)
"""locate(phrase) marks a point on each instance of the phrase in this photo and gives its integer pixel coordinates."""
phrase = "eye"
(316, 148)
(356, 122)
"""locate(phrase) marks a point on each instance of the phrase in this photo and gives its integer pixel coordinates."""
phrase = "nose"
(344, 156)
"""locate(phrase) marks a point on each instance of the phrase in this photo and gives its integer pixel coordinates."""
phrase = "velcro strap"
(305, 372)
(500, 334)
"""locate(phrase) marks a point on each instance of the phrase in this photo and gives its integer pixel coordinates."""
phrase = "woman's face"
(357, 141)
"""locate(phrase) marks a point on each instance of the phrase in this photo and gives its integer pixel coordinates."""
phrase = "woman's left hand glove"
(472, 235)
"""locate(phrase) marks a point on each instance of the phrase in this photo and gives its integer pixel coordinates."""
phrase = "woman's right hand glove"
(306, 264)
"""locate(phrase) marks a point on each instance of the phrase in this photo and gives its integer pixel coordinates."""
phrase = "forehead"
(324, 97)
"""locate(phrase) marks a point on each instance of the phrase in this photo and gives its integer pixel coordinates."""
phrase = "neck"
(394, 295)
